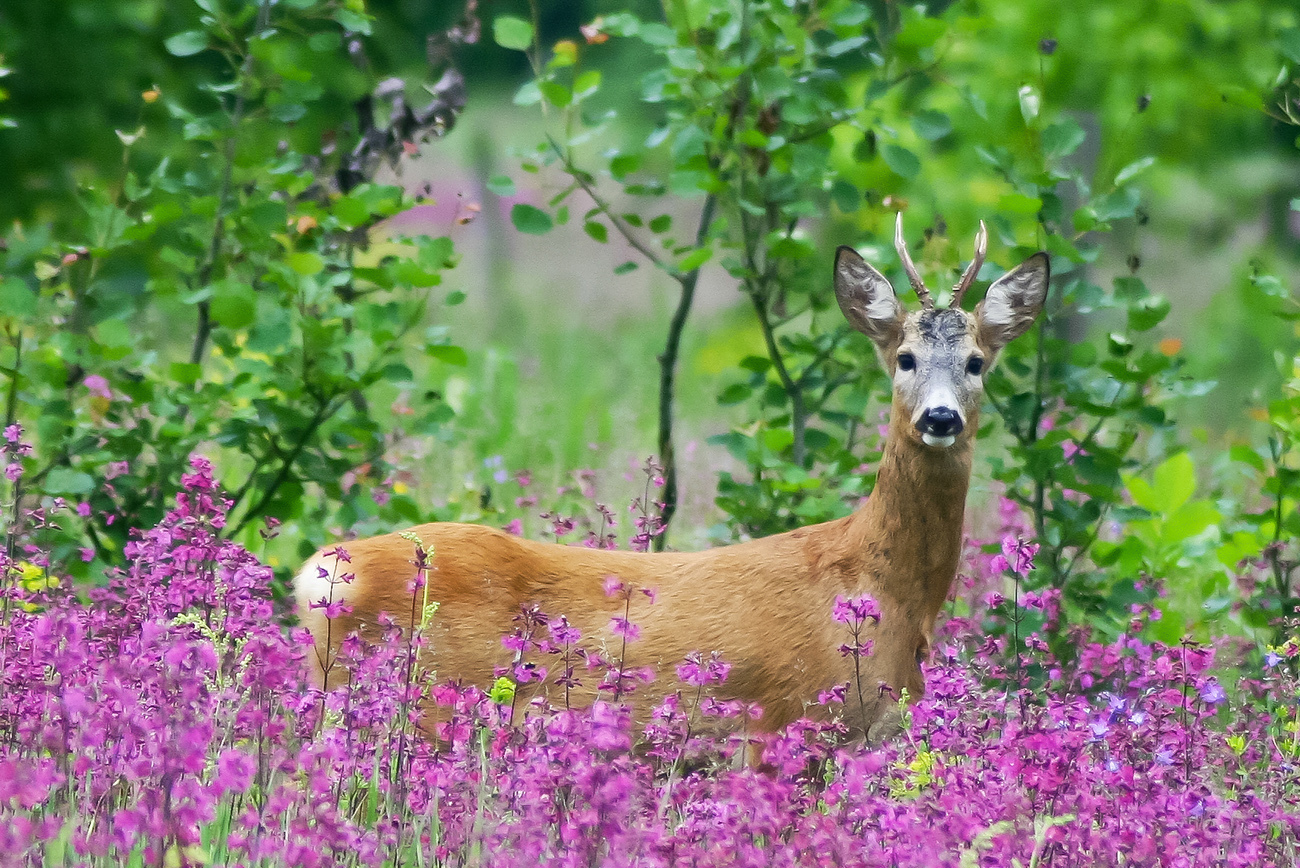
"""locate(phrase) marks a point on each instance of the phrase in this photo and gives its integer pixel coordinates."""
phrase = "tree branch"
(668, 373)
(620, 225)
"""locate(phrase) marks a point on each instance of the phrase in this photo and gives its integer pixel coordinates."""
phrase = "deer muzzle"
(939, 426)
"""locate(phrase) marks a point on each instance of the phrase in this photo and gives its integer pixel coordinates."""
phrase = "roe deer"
(766, 604)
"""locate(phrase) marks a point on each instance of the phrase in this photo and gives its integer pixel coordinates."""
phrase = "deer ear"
(1013, 302)
(867, 299)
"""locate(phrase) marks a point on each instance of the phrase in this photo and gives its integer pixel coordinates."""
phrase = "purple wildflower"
(1212, 692)
(1017, 556)
(98, 386)
(855, 610)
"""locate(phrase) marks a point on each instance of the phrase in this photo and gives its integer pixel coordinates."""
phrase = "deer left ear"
(1013, 302)
(867, 300)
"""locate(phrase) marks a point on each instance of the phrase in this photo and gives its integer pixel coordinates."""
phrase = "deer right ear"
(1013, 302)
(867, 300)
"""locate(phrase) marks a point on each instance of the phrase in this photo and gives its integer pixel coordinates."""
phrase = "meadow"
(280, 274)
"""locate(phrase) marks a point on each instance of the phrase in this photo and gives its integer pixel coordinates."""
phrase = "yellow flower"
(35, 578)
(503, 691)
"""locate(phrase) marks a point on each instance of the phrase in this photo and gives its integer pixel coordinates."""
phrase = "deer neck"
(910, 529)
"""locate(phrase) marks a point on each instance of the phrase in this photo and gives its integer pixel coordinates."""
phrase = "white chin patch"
(941, 442)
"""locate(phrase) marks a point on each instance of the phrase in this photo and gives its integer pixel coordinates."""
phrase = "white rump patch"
(311, 587)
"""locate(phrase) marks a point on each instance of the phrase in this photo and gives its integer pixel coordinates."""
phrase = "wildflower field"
(278, 274)
(165, 719)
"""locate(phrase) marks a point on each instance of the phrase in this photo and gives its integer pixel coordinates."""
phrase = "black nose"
(940, 422)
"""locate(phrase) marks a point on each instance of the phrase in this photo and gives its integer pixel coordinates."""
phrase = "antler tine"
(918, 285)
(968, 276)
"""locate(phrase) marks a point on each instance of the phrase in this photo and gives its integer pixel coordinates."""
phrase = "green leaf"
(1245, 455)
(587, 83)
(353, 22)
(555, 93)
(268, 216)
(846, 196)
(350, 211)
(902, 161)
(695, 259)
(1148, 313)
(656, 34)
(184, 373)
(1172, 485)
(624, 164)
(597, 231)
(1288, 42)
(437, 253)
(186, 43)
(621, 24)
(234, 304)
(931, 125)
(448, 353)
(116, 334)
(501, 185)
(1246, 97)
(777, 439)
(1117, 205)
(16, 299)
(1019, 203)
(512, 32)
(305, 263)
(1063, 138)
(411, 273)
(1133, 169)
(65, 481)
(625, 267)
(528, 94)
(920, 32)
(844, 46)
(735, 393)
(530, 219)
(1189, 520)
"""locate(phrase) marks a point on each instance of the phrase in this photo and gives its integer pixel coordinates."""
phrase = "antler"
(917, 284)
(968, 276)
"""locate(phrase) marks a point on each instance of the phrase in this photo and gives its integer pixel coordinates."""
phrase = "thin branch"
(668, 373)
(11, 402)
(821, 356)
(322, 413)
(620, 225)
(792, 389)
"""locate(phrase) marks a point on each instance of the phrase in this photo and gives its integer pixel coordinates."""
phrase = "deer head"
(938, 358)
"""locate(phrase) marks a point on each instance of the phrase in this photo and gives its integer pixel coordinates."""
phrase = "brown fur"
(765, 605)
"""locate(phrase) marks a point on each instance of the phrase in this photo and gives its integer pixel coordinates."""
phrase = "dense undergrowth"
(165, 719)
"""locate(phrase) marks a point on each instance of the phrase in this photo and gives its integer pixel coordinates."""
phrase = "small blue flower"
(1212, 693)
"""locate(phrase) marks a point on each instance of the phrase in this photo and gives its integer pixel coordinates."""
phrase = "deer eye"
(974, 366)
(906, 362)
